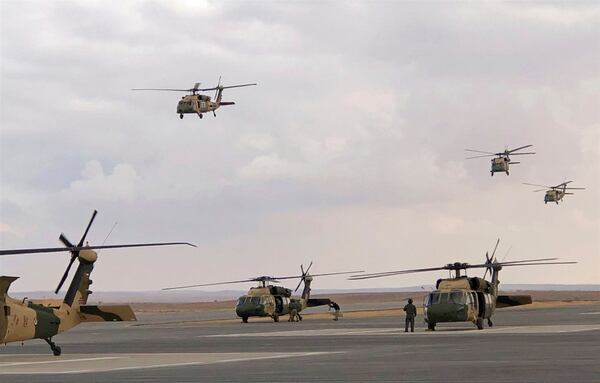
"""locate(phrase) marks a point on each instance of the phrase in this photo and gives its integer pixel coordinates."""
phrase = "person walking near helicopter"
(336, 308)
(411, 313)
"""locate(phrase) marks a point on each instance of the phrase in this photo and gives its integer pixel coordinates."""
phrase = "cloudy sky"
(349, 152)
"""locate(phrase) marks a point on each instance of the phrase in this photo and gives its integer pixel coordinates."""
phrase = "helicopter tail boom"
(512, 300)
(107, 313)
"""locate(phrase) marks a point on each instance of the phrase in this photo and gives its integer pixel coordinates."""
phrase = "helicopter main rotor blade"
(226, 87)
(398, 272)
(166, 89)
(321, 275)
(79, 248)
(518, 154)
(519, 148)
(485, 155)
(480, 151)
(542, 263)
(527, 262)
(543, 186)
(210, 284)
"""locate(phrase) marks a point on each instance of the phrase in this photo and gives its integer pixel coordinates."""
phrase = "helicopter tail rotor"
(304, 275)
(490, 260)
(74, 253)
(217, 89)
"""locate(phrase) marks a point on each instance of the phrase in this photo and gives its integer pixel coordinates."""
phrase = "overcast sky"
(349, 152)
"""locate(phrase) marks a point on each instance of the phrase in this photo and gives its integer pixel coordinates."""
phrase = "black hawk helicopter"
(467, 299)
(200, 103)
(555, 193)
(26, 319)
(502, 160)
(267, 300)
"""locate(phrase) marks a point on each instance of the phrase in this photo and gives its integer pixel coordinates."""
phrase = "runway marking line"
(151, 366)
(545, 329)
(8, 364)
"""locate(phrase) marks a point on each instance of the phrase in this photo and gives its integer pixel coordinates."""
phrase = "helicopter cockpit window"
(241, 300)
(456, 297)
(433, 299)
(255, 300)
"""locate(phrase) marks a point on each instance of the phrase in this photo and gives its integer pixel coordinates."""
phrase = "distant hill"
(223, 295)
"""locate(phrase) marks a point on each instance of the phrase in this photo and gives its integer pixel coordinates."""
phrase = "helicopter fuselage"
(268, 301)
(459, 300)
(553, 196)
(500, 164)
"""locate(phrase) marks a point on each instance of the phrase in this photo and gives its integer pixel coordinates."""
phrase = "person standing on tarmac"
(336, 308)
(411, 313)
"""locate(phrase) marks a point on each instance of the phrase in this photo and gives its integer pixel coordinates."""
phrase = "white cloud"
(121, 184)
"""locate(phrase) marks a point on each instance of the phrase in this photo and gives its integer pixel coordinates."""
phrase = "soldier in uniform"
(294, 311)
(336, 313)
(411, 313)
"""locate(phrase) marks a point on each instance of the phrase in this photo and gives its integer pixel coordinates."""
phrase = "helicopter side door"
(269, 302)
(472, 307)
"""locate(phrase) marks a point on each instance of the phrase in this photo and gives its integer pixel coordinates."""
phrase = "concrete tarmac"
(525, 345)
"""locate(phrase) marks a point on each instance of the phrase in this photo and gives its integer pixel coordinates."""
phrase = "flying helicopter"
(27, 319)
(200, 103)
(555, 193)
(467, 299)
(267, 300)
(502, 160)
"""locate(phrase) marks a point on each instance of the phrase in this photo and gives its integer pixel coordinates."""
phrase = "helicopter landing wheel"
(56, 350)
(490, 324)
(507, 174)
(492, 174)
(275, 318)
(244, 319)
(200, 115)
(479, 323)
(431, 326)
(181, 116)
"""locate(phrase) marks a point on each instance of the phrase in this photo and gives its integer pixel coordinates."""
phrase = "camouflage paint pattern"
(22, 320)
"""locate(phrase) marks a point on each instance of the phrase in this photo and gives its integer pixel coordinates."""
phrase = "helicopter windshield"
(255, 300)
(241, 300)
(452, 297)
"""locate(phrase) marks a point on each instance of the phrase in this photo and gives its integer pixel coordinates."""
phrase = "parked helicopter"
(200, 103)
(464, 299)
(555, 193)
(502, 161)
(267, 300)
(27, 319)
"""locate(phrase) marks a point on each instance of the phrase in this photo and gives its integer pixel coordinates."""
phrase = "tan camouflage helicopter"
(267, 300)
(467, 299)
(555, 193)
(200, 103)
(502, 160)
(27, 319)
